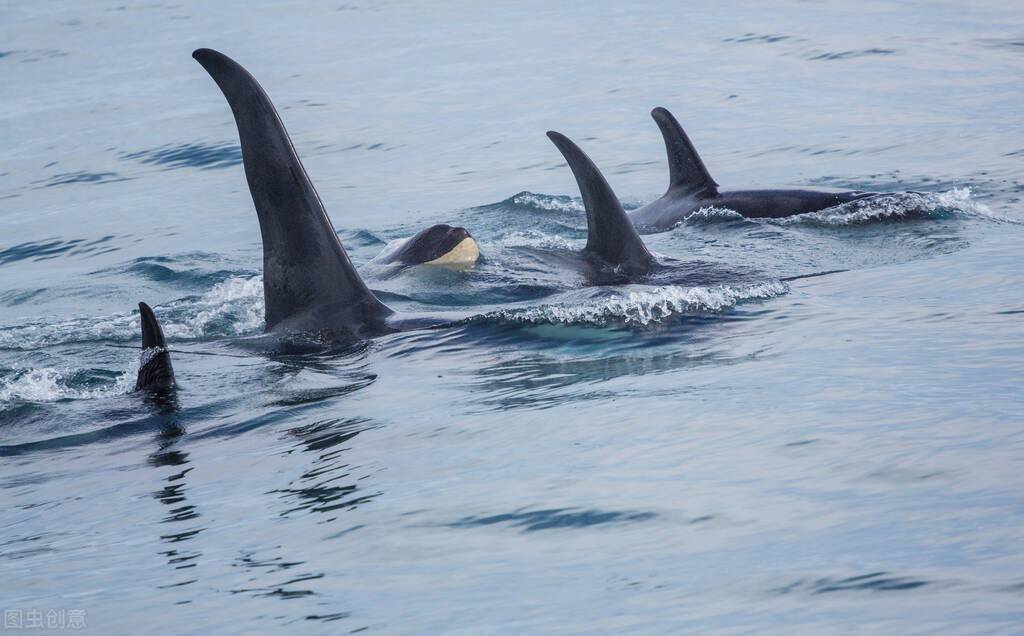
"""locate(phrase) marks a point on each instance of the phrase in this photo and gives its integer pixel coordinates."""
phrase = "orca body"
(692, 188)
(155, 372)
(309, 282)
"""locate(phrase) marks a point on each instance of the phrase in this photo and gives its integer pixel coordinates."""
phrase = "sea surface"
(816, 426)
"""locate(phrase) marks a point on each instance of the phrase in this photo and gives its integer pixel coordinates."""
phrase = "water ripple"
(82, 176)
(846, 55)
(206, 156)
(554, 518)
(770, 38)
(873, 582)
(52, 248)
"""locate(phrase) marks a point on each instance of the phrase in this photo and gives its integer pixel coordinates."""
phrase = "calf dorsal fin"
(155, 371)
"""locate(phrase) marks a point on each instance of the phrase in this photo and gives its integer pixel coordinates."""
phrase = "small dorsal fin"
(685, 169)
(309, 283)
(610, 233)
(155, 371)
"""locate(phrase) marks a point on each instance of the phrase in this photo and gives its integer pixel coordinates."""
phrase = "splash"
(51, 385)
(896, 207)
(546, 202)
(232, 307)
(537, 239)
(41, 332)
(640, 307)
(149, 354)
(709, 216)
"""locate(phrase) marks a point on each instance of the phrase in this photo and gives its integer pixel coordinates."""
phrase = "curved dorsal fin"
(309, 283)
(155, 371)
(686, 171)
(610, 233)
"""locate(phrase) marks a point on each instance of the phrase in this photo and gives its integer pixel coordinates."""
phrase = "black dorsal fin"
(686, 171)
(155, 371)
(309, 283)
(610, 233)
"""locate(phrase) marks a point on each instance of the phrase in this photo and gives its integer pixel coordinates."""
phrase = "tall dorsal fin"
(309, 283)
(155, 371)
(686, 171)
(610, 233)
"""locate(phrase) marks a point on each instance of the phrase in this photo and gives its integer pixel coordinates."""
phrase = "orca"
(437, 245)
(691, 188)
(309, 282)
(155, 371)
(611, 236)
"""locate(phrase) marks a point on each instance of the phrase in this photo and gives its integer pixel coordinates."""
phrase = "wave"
(902, 206)
(48, 384)
(360, 238)
(235, 307)
(537, 239)
(174, 271)
(231, 307)
(895, 207)
(638, 307)
(711, 215)
(552, 203)
(545, 202)
(52, 248)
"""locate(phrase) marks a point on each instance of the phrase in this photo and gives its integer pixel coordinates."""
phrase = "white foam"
(45, 332)
(544, 202)
(896, 206)
(642, 307)
(536, 239)
(710, 214)
(233, 307)
(50, 385)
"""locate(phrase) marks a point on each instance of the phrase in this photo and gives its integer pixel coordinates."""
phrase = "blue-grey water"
(742, 448)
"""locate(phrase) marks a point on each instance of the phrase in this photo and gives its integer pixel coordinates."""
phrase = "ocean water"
(813, 425)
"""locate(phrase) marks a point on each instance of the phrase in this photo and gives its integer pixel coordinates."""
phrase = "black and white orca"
(437, 245)
(691, 188)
